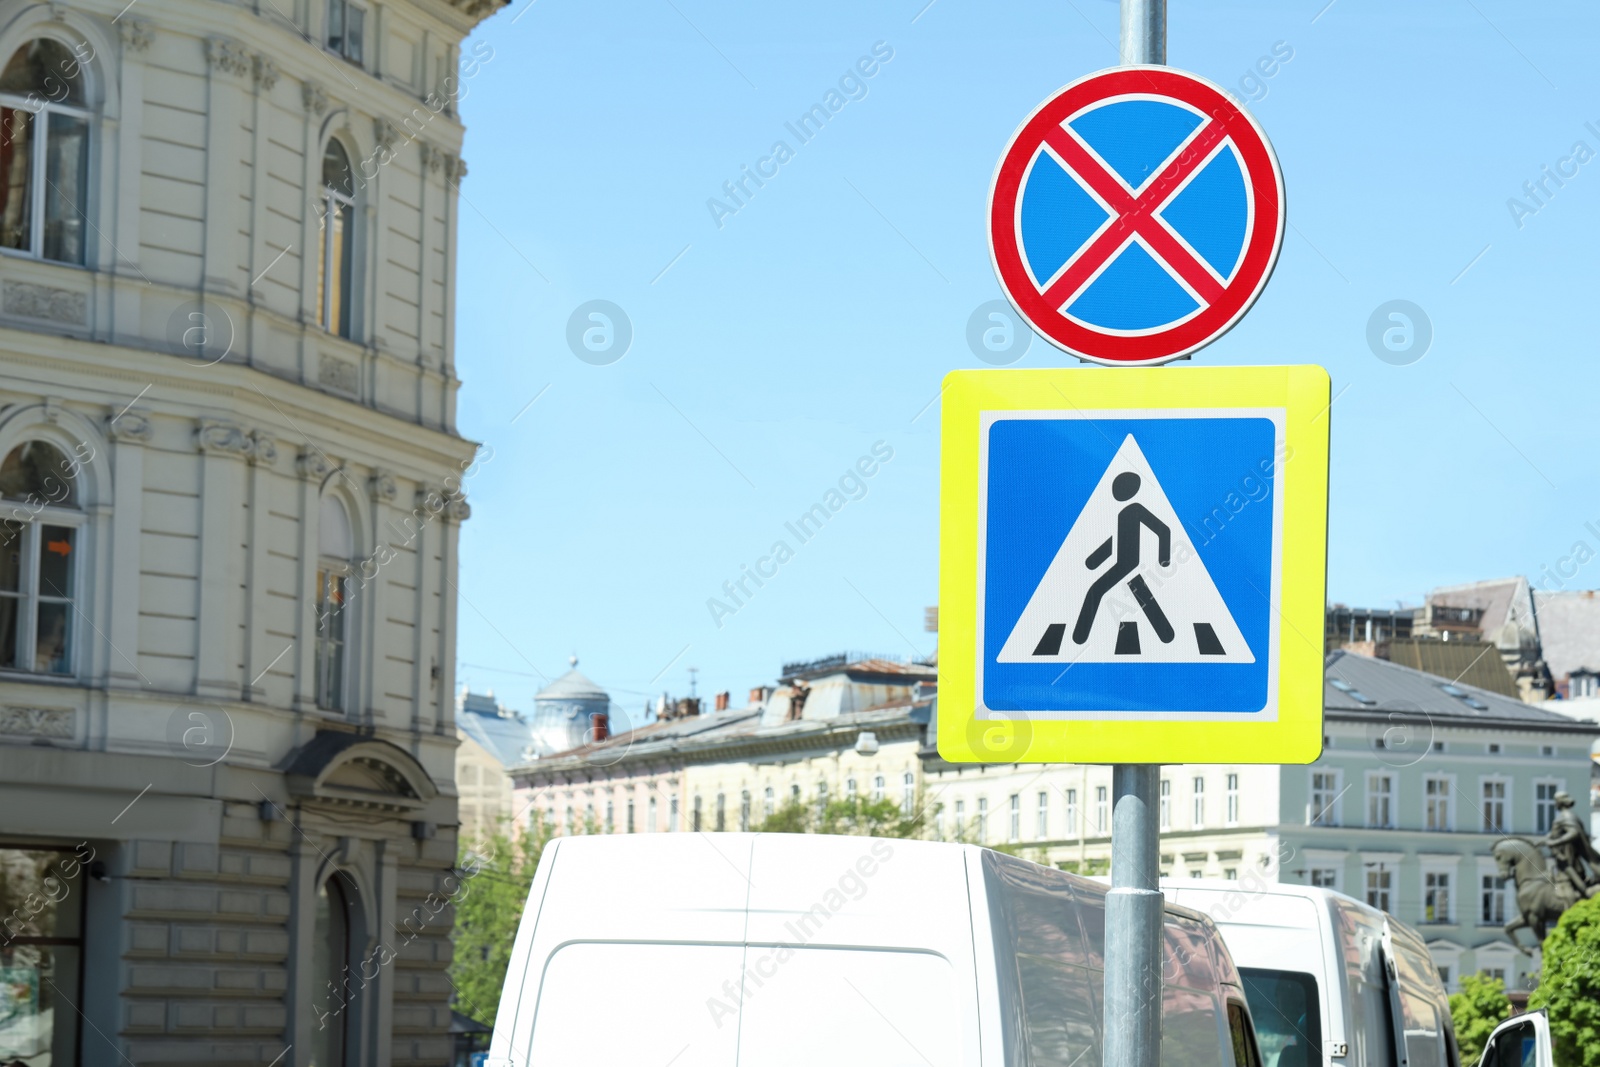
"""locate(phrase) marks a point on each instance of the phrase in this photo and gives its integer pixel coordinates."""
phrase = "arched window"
(331, 988)
(335, 550)
(38, 559)
(44, 153)
(338, 220)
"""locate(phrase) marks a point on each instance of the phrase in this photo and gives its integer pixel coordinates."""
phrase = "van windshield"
(1288, 1019)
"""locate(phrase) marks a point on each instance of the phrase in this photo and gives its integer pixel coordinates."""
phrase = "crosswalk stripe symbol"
(1127, 584)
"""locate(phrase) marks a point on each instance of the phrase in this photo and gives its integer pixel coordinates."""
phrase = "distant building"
(832, 728)
(493, 740)
(569, 712)
(1417, 780)
(1500, 611)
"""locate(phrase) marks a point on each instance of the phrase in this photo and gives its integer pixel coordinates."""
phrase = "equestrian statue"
(1545, 890)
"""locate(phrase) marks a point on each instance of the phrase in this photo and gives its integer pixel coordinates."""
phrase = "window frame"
(1164, 804)
(1489, 885)
(40, 134)
(1438, 878)
(1198, 797)
(1438, 807)
(30, 597)
(1388, 796)
(331, 200)
(343, 49)
(1504, 801)
(76, 886)
(1558, 785)
(1328, 813)
(1231, 801)
(322, 693)
(1042, 826)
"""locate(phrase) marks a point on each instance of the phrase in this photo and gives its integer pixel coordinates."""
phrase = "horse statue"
(1543, 891)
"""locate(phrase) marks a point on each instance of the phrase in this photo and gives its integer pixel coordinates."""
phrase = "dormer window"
(44, 153)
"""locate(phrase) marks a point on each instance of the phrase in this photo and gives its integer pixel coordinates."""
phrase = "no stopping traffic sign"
(1136, 215)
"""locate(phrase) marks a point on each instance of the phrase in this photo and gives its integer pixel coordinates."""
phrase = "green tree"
(495, 875)
(854, 816)
(1569, 985)
(1481, 1006)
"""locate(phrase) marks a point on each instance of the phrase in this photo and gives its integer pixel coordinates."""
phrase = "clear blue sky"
(821, 317)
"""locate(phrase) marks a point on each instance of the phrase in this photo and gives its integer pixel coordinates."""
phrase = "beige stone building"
(232, 486)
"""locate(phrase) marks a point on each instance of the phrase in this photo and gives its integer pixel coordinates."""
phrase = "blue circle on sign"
(1177, 243)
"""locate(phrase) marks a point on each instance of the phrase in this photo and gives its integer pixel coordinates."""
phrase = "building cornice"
(1462, 722)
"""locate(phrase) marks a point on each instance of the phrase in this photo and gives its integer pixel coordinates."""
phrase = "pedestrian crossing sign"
(1132, 565)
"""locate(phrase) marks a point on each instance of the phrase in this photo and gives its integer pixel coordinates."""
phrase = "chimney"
(722, 700)
(759, 694)
(599, 727)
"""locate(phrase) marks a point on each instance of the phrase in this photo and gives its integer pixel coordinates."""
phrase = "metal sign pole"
(1134, 907)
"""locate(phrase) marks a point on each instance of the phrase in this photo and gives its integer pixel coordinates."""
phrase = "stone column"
(223, 447)
(372, 579)
(227, 63)
(128, 432)
(260, 654)
(313, 468)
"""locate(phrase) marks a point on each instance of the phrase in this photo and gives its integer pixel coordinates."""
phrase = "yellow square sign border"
(1303, 393)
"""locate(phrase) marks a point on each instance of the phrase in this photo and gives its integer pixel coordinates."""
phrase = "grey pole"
(1134, 910)
(1134, 907)
(1144, 32)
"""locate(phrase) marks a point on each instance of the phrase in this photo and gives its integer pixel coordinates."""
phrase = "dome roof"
(572, 686)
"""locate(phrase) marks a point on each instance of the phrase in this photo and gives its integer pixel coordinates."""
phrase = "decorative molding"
(457, 509)
(52, 410)
(431, 500)
(337, 374)
(313, 98)
(32, 301)
(384, 133)
(263, 449)
(382, 486)
(60, 723)
(225, 437)
(313, 465)
(227, 55)
(266, 72)
(136, 34)
(433, 159)
(455, 168)
(131, 426)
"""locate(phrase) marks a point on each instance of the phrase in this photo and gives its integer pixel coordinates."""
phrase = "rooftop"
(1356, 686)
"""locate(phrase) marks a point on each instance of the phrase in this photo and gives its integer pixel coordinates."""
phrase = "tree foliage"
(854, 816)
(495, 875)
(1481, 1006)
(1569, 985)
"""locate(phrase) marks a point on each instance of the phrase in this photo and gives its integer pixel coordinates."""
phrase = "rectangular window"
(672, 814)
(1436, 897)
(1444, 976)
(346, 29)
(1165, 805)
(332, 633)
(769, 803)
(961, 820)
(1230, 874)
(1544, 806)
(44, 171)
(694, 817)
(650, 817)
(1199, 802)
(1380, 884)
(1324, 798)
(38, 563)
(1101, 814)
(611, 821)
(744, 811)
(1494, 807)
(1491, 900)
(1072, 812)
(722, 813)
(1014, 825)
(1380, 802)
(41, 942)
(1043, 829)
(1325, 877)
(1436, 804)
(983, 820)
(908, 794)
(1233, 800)
(630, 815)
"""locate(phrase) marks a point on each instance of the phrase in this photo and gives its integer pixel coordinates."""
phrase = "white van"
(711, 950)
(1333, 982)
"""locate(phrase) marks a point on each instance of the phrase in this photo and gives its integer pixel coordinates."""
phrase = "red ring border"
(1261, 251)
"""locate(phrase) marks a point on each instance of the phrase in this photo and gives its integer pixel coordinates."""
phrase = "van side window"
(1287, 1014)
(1244, 1042)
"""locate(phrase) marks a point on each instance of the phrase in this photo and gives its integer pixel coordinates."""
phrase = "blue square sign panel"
(1128, 563)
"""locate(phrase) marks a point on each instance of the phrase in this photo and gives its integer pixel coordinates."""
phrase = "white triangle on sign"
(1147, 612)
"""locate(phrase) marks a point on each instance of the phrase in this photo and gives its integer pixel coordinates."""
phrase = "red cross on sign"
(1136, 215)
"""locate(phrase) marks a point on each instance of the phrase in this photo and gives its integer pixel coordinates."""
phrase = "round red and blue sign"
(1136, 215)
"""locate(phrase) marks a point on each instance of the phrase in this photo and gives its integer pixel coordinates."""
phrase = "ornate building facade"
(232, 486)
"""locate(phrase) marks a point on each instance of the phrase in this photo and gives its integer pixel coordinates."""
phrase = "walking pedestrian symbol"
(1127, 561)
(1107, 597)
